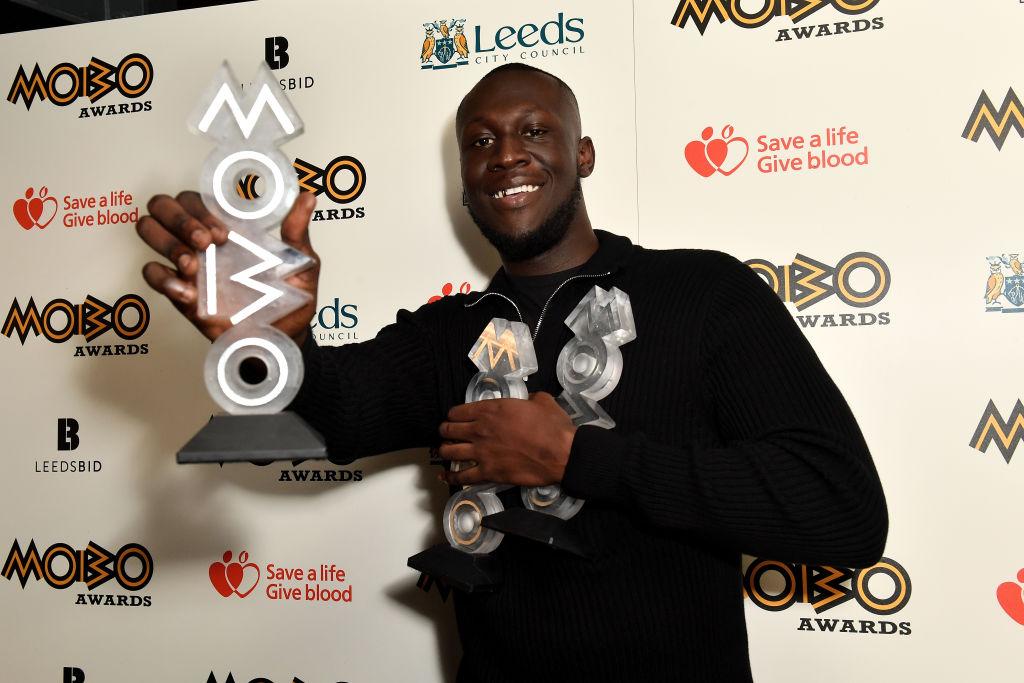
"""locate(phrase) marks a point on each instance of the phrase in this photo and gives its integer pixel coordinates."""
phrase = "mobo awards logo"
(66, 83)
(61, 566)
(1005, 434)
(860, 280)
(60, 319)
(342, 180)
(996, 122)
(882, 589)
(699, 13)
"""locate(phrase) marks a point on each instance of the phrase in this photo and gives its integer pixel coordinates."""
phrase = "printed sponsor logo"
(37, 209)
(68, 439)
(61, 566)
(73, 674)
(1010, 595)
(60, 320)
(756, 14)
(335, 322)
(996, 122)
(1004, 289)
(276, 55)
(859, 280)
(447, 45)
(882, 589)
(66, 83)
(831, 148)
(1005, 434)
(447, 289)
(325, 583)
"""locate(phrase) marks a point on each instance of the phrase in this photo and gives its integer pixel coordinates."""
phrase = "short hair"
(520, 66)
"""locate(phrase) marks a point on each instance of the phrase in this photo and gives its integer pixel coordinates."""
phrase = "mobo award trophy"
(505, 357)
(589, 368)
(253, 370)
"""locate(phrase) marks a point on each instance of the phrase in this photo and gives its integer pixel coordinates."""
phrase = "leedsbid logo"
(235, 578)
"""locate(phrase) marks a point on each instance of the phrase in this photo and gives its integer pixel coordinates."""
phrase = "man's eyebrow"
(524, 113)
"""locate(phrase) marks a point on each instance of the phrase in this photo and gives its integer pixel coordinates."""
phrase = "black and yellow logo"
(66, 82)
(998, 123)
(775, 586)
(701, 12)
(992, 428)
(342, 180)
(60, 319)
(61, 565)
(807, 281)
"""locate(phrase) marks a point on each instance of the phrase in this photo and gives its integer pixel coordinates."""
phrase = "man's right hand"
(179, 228)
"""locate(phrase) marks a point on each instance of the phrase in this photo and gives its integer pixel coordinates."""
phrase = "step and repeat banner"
(862, 156)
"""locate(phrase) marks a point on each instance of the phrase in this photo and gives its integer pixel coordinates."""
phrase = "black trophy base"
(537, 526)
(464, 571)
(238, 438)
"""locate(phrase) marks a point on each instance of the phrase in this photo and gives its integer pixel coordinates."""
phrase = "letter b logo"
(67, 437)
(276, 50)
(72, 674)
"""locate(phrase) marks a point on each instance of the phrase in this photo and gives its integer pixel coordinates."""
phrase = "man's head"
(522, 158)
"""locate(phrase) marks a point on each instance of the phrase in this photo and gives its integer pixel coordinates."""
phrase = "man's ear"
(585, 157)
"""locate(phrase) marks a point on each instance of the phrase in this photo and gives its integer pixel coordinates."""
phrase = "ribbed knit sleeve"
(372, 397)
(792, 479)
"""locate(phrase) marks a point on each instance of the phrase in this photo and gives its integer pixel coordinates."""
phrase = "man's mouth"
(520, 189)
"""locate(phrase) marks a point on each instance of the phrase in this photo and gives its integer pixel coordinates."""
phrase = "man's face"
(519, 147)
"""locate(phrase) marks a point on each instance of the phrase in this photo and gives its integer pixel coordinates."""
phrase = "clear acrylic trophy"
(589, 368)
(253, 371)
(505, 357)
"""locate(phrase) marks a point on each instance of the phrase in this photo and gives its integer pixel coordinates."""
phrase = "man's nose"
(508, 152)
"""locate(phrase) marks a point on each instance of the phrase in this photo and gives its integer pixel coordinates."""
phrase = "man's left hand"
(523, 443)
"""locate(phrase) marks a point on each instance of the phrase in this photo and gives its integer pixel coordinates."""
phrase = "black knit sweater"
(731, 438)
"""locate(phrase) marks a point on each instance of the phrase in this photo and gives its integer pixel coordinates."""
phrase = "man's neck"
(575, 249)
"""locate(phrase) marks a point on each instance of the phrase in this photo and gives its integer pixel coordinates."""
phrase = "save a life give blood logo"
(239, 577)
(723, 154)
(1011, 598)
(35, 209)
(235, 578)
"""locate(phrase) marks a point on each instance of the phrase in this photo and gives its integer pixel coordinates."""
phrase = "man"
(730, 436)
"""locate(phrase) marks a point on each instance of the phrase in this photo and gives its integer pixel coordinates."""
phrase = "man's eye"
(482, 142)
(535, 132)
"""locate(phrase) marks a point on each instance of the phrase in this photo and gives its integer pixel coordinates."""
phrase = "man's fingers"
(179, 222)
(163, 242)
(164, 280)
(468, 412)
(464, 477)
(457, 431)
(295, 227)
(193, 203)
(457, 452)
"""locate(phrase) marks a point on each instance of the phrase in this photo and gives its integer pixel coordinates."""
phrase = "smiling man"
(730, 436)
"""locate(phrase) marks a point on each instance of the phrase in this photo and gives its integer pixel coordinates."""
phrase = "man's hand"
(524, 443)
(179, 228)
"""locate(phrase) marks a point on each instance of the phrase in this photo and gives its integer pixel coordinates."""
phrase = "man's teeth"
(515, 190)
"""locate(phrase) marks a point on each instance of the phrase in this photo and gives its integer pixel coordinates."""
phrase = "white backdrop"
(927, 203)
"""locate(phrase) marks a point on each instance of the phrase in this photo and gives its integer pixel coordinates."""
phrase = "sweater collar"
(612, 252)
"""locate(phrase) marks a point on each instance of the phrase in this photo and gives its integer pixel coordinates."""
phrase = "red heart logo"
(218, 577)
(21, 214)
(718, 149)
(1011, 598)
(238, 575)
(737, 150)
(47, 208)
(697, 157)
